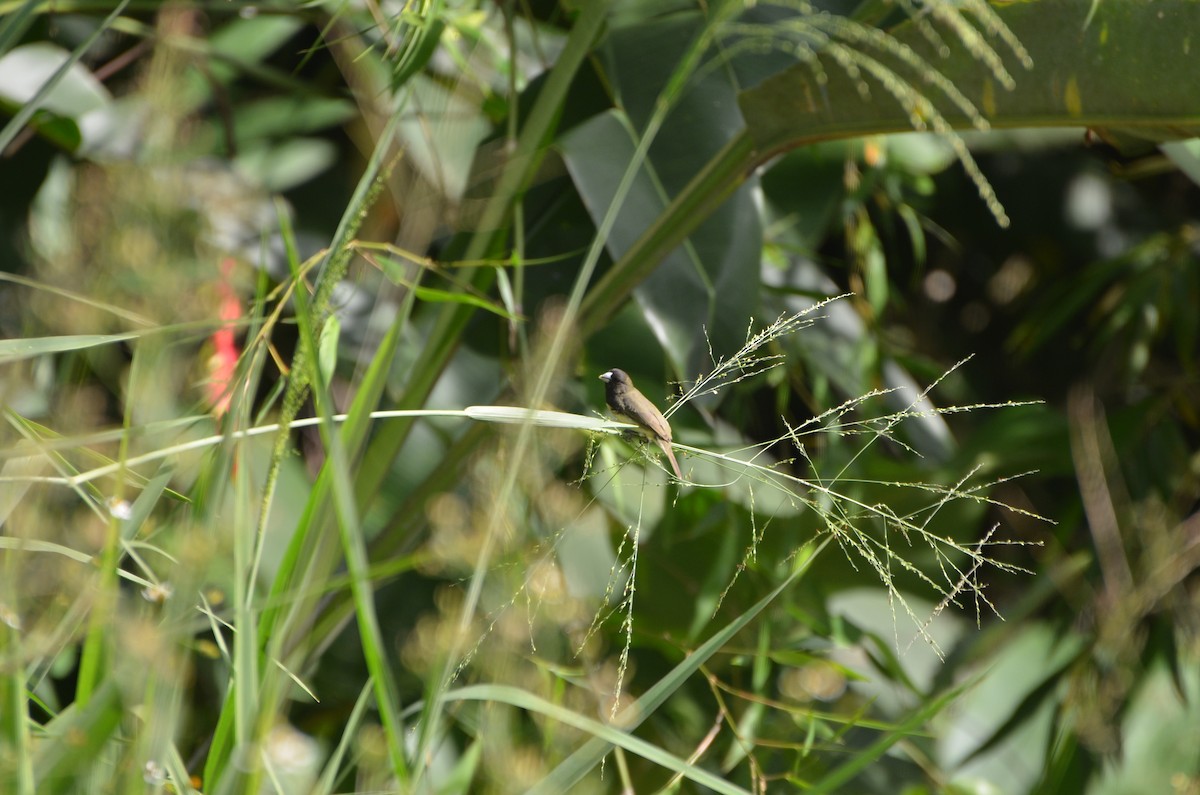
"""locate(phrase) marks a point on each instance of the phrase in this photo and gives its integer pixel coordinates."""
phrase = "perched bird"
(627, 403)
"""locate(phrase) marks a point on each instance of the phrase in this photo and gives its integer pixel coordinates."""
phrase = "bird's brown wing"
(639, 409)
(657, 423)
(634, 406)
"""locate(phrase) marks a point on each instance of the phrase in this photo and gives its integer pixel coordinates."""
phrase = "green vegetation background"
(919, 284)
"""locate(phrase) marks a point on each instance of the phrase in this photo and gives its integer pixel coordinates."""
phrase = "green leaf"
(679, 297)
(603, 731)
(29, 68)
(906, 729)
(440, 129)
(549, 419)
(292, 114)
(74, 741)
(40, 79)
(1158, 730)
(287, 165)
(16, 350)
(398, 271)
(327, 348)
(419, 48)
(916, 234)
(1111, 71)
(14, 24)
(869, 252)
(575, 767)
(706, 285)
(989, 725)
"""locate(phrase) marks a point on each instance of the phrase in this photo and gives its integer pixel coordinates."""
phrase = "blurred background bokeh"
(959, 556)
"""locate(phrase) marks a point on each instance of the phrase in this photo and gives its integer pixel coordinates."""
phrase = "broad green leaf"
(47, 86)
(717, 267)
(24, 70)
(292, 163)
(1100, 65)
(1158, 727)
(679, 298)
(978, 737)
(1104, 70)
(440, 129)
(238, 48)
(294, 114)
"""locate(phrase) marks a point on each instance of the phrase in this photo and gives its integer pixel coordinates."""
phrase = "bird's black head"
(615, 376)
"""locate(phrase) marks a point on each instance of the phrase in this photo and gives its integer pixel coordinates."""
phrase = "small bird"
(625, 401)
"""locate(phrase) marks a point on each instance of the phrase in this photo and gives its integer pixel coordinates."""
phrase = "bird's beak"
(606, 377)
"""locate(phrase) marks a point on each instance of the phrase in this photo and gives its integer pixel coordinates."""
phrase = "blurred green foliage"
(939, 534)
